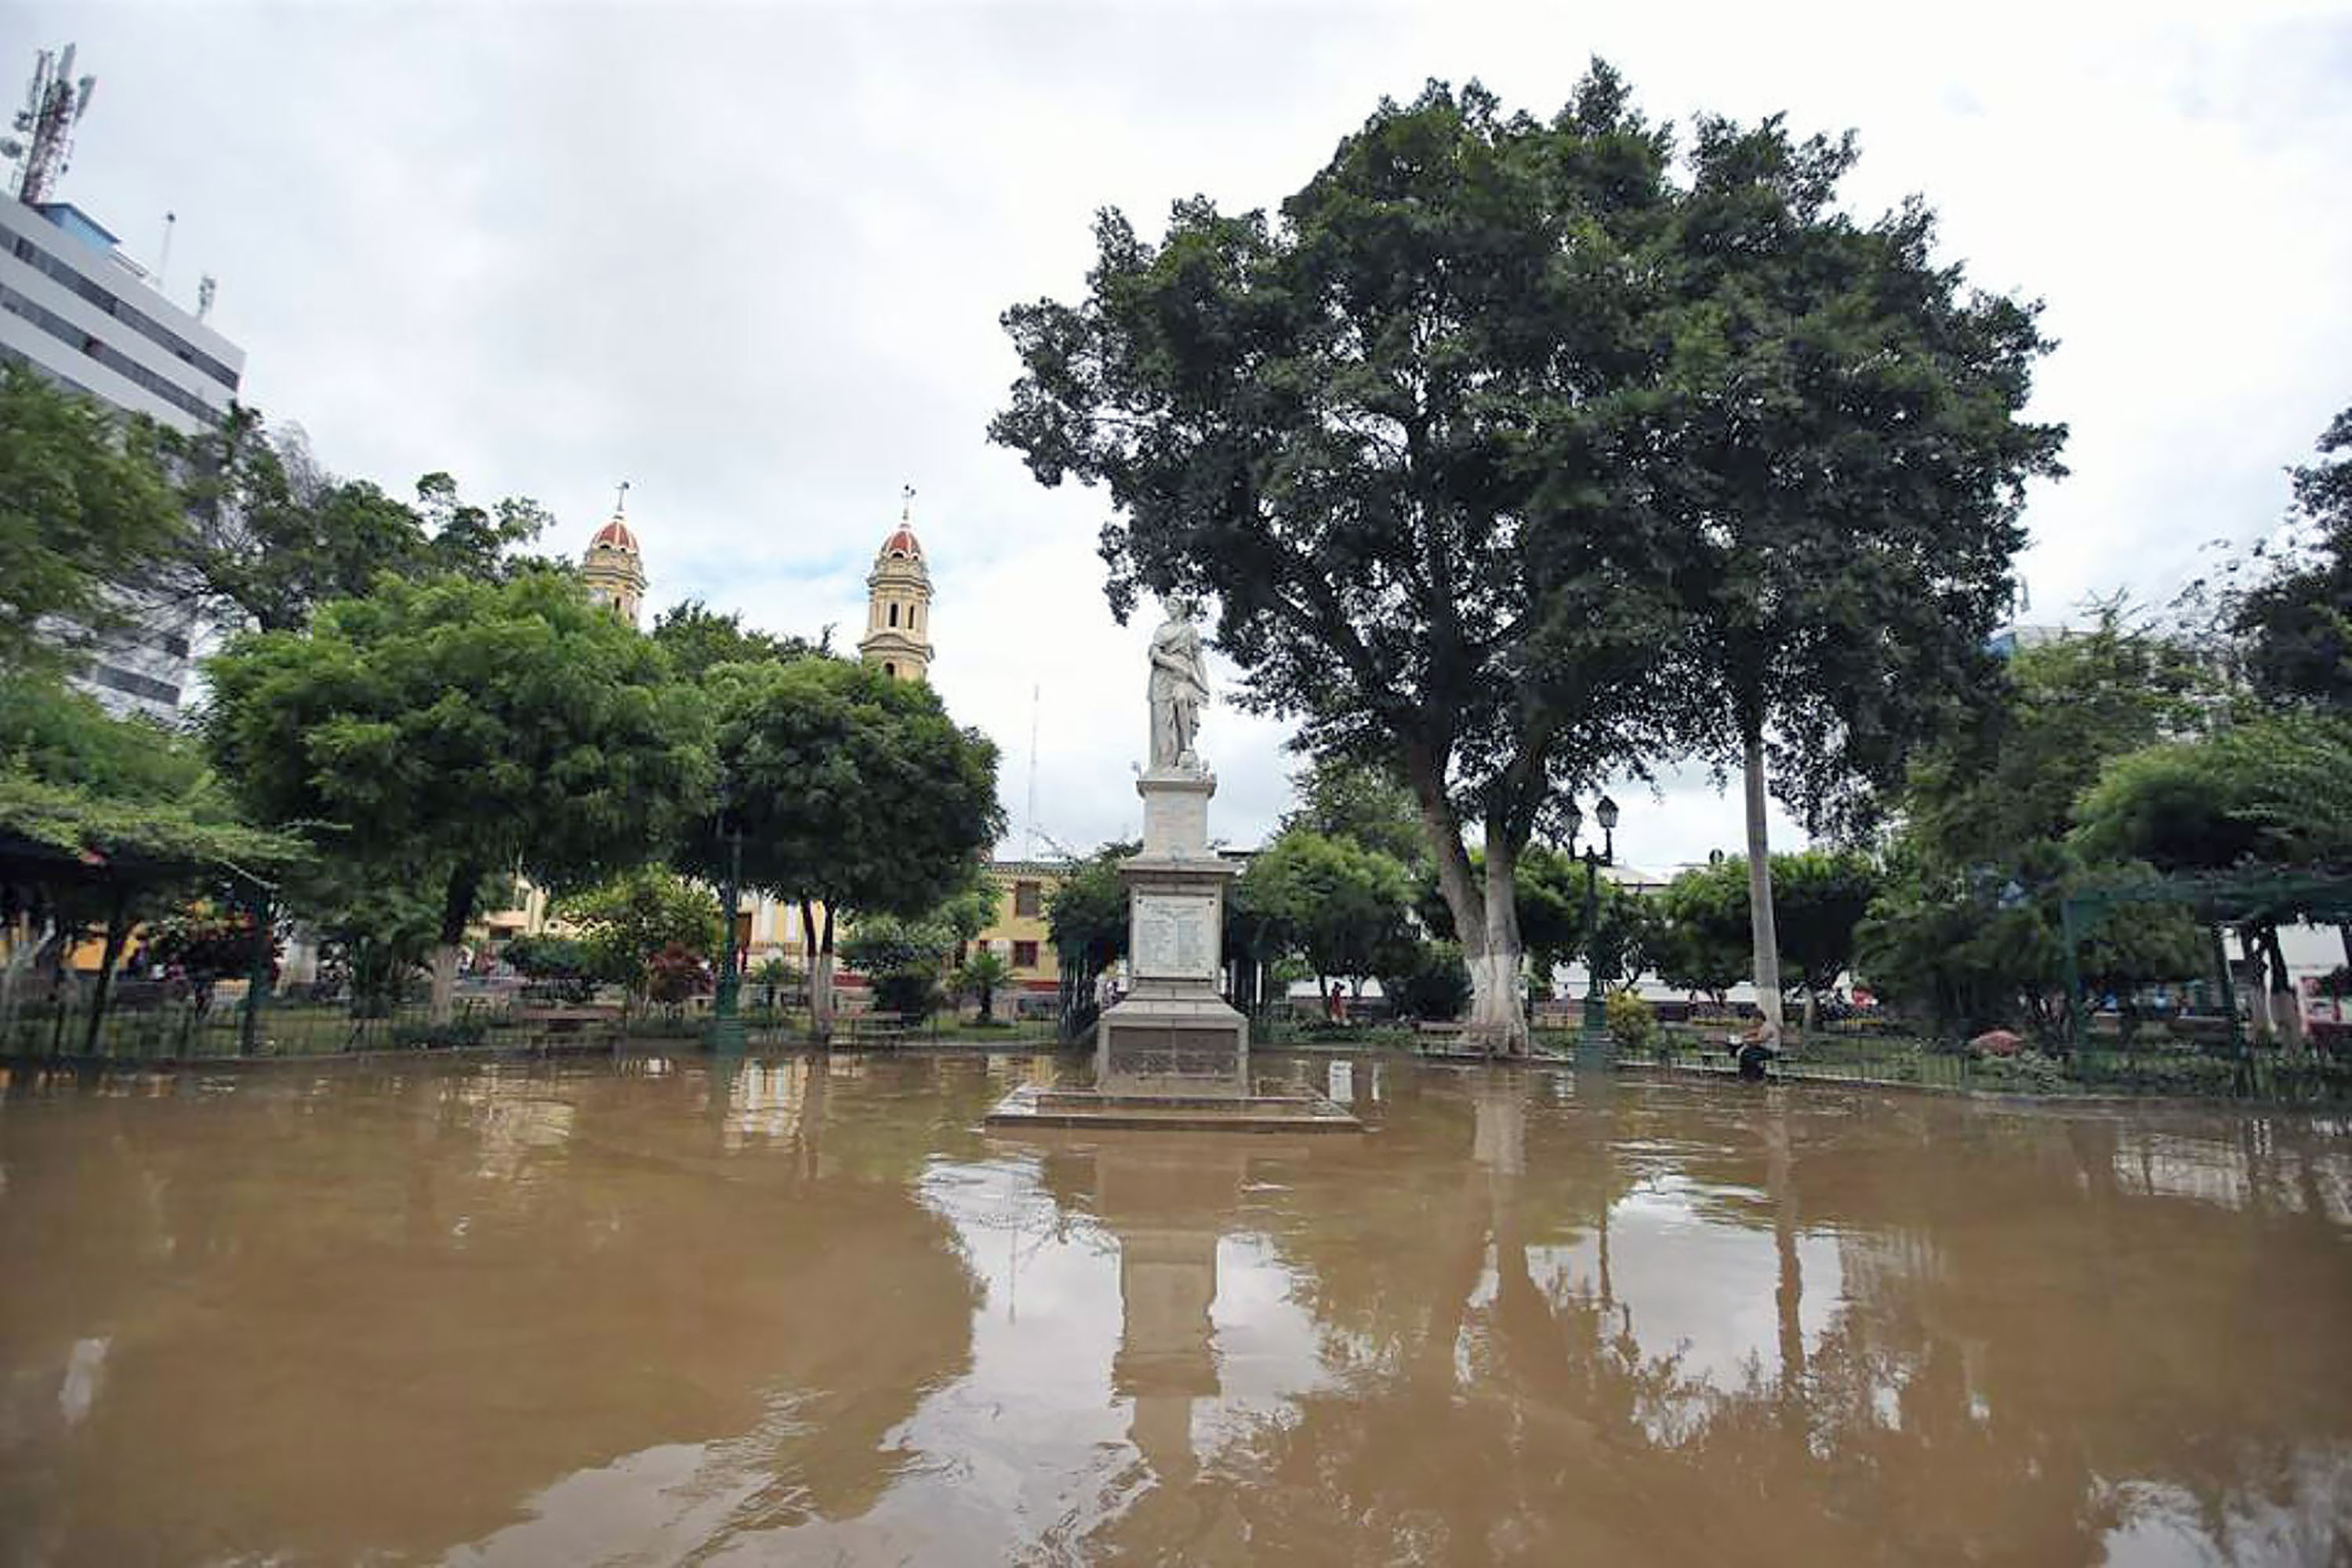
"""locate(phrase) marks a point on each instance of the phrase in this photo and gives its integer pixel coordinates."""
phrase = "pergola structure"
(2265, 896)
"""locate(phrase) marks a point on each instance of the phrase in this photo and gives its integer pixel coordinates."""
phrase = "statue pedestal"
(1172, 1033)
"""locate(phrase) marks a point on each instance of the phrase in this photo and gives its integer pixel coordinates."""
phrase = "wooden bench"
(878, 1028)
(551, 1028)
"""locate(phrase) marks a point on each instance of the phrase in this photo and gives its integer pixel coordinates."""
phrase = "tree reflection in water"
(2024, 1361)
(808, 1310)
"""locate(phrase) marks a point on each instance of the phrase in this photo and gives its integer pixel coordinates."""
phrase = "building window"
(889, 669)
(1024, 955)
(1028, 899)
(893, 614)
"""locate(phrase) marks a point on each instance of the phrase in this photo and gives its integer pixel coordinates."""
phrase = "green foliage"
(1389, 436)
(1342, 798)
(774, 977)
(884, 944)
(1819, 898)
(674, 973)
(628, 923)
(210, 943)
(1087, 910)
(1338, 905)
(462, 727)
(1842, 416)
(84, 511)
(558, 967)
(127, 791)
(2066, 708)
(848, 787)
(276, 537)
(698, 639)
(912, 993)
(980, 977)
(1633, 1022)
(2275, 789)
(1427, 980)
(2296, 625)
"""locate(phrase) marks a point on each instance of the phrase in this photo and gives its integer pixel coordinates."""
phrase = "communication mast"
(54, 105)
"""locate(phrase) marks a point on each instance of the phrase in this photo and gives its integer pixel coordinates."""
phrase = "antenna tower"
(54, 105)
(1029, 851)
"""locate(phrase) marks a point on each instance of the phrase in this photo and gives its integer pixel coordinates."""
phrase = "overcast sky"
(751, 258)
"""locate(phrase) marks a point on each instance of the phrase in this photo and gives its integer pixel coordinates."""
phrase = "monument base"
(1172, 1042)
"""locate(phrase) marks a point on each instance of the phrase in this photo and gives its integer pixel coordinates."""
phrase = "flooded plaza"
(808, 1311)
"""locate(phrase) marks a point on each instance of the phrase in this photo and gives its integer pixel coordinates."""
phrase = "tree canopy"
(274, 536)
(848, 788)
(1499, 409)
(85, 514)
(461, 728)
(698, 639)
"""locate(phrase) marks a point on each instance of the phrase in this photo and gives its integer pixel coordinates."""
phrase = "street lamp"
(1595, 1034)
(725, 1032)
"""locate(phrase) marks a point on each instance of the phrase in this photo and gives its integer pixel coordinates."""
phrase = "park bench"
(878, 1028)
(559, 1029)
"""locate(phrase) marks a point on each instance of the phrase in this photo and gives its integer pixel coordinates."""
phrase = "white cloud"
(751, 259)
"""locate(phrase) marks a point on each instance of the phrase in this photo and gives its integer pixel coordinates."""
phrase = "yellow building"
(1017, 934)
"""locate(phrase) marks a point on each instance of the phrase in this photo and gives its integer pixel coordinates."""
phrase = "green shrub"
(912, 993)
(1633, 1022)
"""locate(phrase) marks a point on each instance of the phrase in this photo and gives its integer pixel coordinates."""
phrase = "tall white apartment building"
(76, 308)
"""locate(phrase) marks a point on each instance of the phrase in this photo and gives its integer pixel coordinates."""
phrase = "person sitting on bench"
(1753, 1049)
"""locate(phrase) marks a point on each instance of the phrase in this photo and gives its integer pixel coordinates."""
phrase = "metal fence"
(2157, 1069)
(216, 1028)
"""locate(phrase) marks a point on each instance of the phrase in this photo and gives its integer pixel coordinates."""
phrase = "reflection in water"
(805, 1309)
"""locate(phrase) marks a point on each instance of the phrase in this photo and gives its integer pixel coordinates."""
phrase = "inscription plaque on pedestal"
(1175, 936)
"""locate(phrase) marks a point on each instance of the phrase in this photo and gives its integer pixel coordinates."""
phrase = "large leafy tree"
(85, 512)
(1331, 901)
(1967, 925)
(1849, 462)
(844, 788)
(2296, 624)
(1822, 894)
(630, 922)
(463, 728)
(274, 536)
(1383, 434)
(698, 639)
(1340, 797)
(1085, 912)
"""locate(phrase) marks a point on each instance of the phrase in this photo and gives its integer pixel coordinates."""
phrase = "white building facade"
(76, 308)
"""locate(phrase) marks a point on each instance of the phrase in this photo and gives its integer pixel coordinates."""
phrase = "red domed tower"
(898, 605)
(612, 568)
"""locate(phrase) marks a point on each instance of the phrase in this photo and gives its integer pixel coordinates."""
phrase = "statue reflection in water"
(1168, 1200)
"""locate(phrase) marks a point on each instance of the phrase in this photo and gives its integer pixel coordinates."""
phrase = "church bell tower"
(612, 568)
(898, 606)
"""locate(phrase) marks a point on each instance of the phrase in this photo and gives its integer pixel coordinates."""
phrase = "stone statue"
(1180, 687)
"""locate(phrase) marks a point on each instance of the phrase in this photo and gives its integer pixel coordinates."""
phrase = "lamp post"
(725, 1032)
(1594, 1036)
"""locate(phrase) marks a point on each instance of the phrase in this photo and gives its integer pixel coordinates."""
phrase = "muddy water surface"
(808, 1311)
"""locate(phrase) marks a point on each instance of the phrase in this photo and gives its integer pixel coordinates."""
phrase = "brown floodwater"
(808, 1310)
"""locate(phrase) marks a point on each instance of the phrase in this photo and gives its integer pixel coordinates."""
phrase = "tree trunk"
(2286, 1008)
(821, 980)
(118, 931)
(2258, 1004)
(1759, 882)
(457, 909)
(257, 975)
(1498, 1011)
